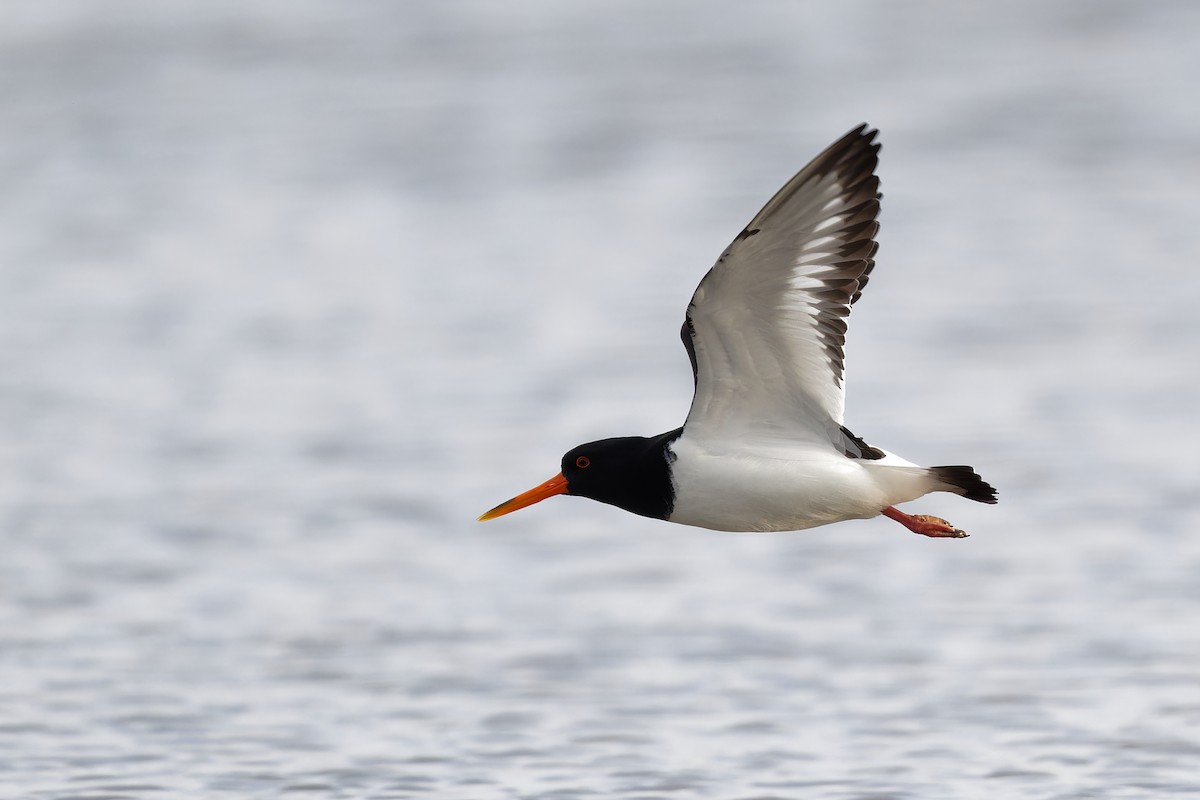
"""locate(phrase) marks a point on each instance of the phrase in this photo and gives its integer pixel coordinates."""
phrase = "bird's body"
(764, 447)
(759, 488)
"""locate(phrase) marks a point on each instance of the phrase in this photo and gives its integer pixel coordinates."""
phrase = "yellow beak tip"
(556, 485)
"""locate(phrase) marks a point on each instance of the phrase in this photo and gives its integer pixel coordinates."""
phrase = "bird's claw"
(937, 528)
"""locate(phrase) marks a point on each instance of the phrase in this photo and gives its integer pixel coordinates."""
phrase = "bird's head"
(630, 472)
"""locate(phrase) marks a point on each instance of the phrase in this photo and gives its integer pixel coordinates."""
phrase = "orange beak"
(556, 485)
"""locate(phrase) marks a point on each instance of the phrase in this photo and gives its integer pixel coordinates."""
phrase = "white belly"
(785, 488)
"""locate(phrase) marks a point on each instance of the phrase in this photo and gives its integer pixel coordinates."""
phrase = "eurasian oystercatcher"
(764, 447)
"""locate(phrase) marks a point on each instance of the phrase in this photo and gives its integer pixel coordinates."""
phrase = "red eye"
(582, 462)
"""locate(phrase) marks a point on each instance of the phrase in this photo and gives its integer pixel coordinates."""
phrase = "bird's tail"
(965, 481)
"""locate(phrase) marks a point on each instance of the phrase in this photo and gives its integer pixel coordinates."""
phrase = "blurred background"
(291, 291)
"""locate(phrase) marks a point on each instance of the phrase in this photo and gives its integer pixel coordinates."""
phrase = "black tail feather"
(965, 481)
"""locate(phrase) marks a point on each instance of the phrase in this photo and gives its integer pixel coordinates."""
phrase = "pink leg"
(925, 524)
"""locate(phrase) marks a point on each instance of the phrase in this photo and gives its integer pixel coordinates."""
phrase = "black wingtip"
(965, 481)
(864, 134)
(864, 130)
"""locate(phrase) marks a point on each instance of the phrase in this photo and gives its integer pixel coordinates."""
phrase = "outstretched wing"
(766, 327)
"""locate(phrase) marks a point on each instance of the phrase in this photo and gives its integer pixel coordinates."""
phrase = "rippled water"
(290, 293)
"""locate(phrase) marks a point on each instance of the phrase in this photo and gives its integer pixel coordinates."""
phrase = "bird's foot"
(926, 525)
(937, 527)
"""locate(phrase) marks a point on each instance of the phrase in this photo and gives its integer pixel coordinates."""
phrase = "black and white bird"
(764, 447)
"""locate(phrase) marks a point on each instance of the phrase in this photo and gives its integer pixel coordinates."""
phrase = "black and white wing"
(766, 327)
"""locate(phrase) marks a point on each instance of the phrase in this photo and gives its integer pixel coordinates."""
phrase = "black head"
(632, 472)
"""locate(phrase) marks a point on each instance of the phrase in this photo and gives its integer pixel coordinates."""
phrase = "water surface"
(290, 294)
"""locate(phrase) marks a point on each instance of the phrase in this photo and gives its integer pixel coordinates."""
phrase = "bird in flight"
(764, 446)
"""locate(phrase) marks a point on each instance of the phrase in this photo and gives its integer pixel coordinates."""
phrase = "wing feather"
(767, 326)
